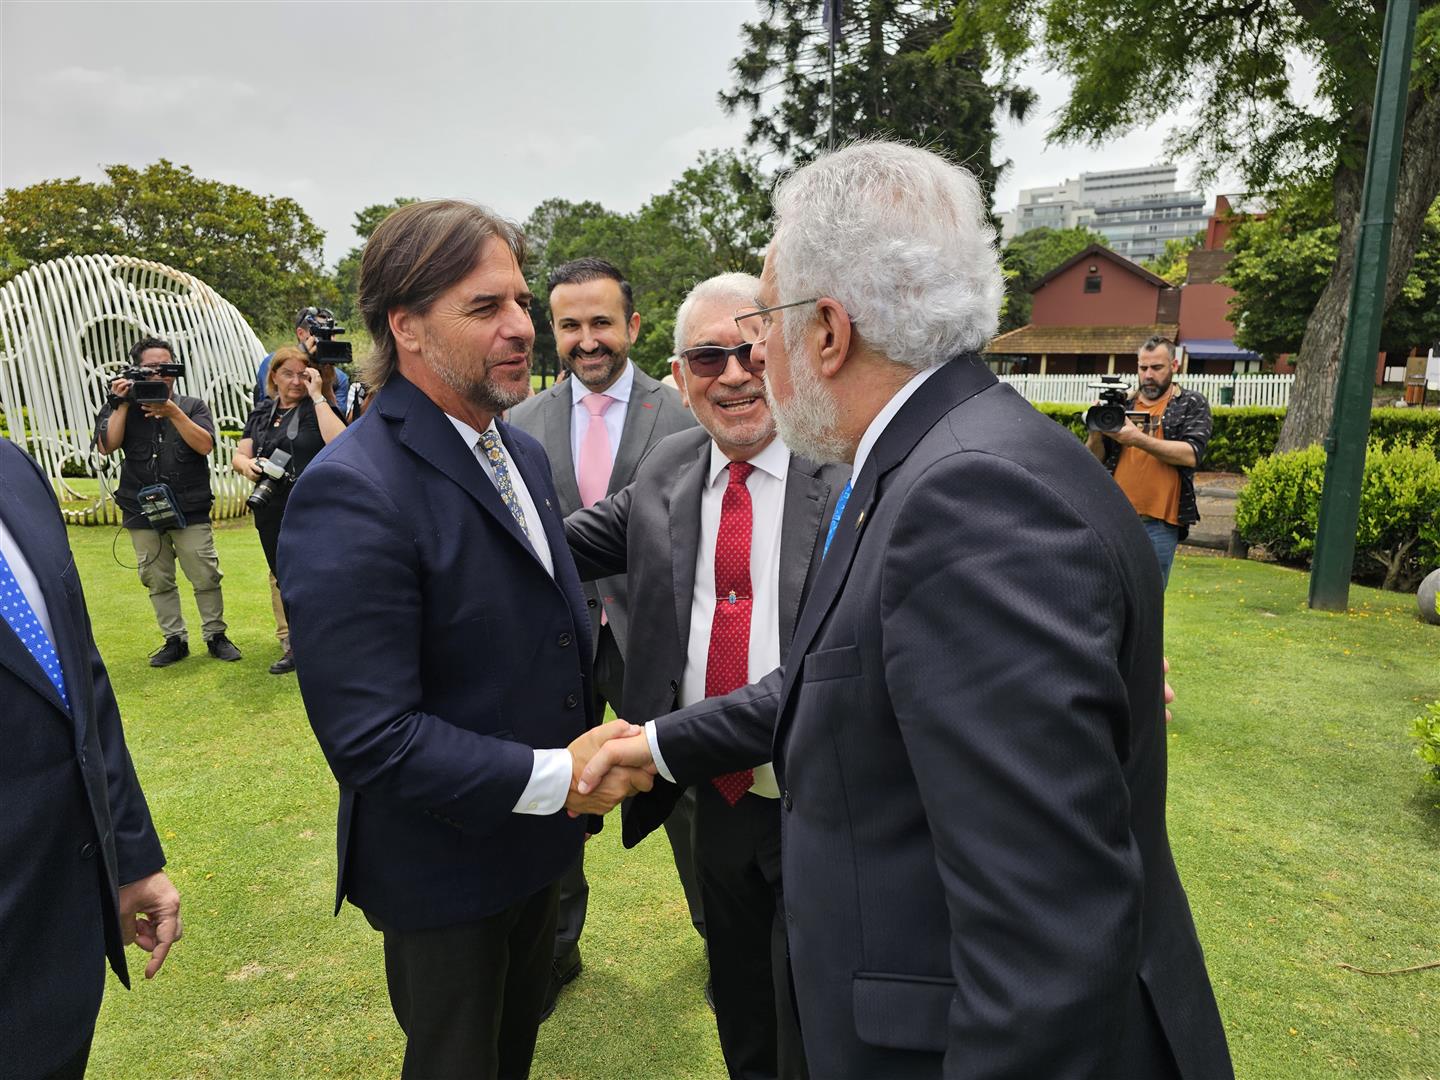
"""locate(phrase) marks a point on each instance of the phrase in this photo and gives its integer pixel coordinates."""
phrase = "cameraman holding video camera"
(164, 492)
(1155, 467)
(282, 436)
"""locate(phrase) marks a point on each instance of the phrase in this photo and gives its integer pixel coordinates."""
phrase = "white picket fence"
(1273, 390)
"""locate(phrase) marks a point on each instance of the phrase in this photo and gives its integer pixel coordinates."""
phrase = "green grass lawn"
(1300, 824)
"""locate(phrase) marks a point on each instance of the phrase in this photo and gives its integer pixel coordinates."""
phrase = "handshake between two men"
(610, 762)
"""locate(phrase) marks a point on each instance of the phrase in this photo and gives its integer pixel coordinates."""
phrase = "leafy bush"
(1244, 435)
(1426, 728)
(1398, 534)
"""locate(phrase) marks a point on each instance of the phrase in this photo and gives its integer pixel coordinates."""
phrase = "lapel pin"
(860, 520)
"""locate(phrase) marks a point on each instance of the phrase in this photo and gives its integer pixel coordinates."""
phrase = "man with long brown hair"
(451, 694)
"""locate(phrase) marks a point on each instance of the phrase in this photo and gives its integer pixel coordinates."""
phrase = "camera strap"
(292, 429)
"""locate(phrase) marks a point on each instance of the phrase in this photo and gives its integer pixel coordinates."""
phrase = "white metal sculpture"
(66, 328)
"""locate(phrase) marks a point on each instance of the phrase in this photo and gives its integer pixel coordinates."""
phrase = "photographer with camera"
(315, 331)
(1155, 467)
(282, 436)
(164, 492)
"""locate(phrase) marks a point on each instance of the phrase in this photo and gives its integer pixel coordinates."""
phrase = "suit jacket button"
(590, 601)
(571, 701)
(563, 640)
(87, 849)
(674, 687)
(785, 799)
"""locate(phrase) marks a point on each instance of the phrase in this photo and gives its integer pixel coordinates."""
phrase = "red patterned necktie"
(727, 666)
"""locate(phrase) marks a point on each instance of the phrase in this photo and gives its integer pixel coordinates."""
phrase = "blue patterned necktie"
(495, 454)
(21, 617)
(835, 521)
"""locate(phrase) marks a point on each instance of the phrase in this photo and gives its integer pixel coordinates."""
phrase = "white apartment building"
(1135, 210)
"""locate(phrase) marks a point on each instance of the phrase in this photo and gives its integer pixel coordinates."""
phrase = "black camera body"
(276, 476)
(146, 385)
(1113, 409)
(322, 328)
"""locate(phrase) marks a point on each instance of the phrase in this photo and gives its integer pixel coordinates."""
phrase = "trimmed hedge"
(1244, 435)
(1397, 537)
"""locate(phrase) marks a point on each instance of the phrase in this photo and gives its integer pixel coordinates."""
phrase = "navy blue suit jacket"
(969, 738)
(73, 822)
(448, 658)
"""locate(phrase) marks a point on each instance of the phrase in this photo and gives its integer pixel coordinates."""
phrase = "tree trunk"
(1317, 366)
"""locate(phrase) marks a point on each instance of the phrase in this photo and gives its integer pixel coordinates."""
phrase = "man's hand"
(120, 387)
(162, 410)
(1129, 434)
(601, 798)
(1169, 691)
(629, 753)
(157, 900)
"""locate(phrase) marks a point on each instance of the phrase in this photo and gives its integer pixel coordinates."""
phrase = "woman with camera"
(281, 437)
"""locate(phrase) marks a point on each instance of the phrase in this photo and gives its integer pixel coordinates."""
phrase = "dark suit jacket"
(655, 411)
(73, 822)
(970, 746)
(651, 532)
(452, 655)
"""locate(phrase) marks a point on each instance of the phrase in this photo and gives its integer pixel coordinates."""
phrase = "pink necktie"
(593, 474)
(727, 666)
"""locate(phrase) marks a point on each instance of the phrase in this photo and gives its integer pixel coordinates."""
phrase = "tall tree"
(889, 80)
(1029, 257)
(1283, 261)
(347, 270)
(1231, 62)
(262, 253)
(1173, 264)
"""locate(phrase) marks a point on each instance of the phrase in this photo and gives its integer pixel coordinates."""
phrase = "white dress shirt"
(550, 775)
(26, 579)
(867, 443)
(767, 502)
(614, 415)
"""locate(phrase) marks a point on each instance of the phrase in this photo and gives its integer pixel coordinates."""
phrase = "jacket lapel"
(683, 512)
(557, 415)
(45, 562)
(640, 417)
(424, 429)
(806, 493)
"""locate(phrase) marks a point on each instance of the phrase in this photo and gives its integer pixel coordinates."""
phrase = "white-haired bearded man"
(968, 730)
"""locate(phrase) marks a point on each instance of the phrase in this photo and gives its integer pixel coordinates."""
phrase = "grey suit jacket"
(969, 738)
(655, 411)
(651, 531)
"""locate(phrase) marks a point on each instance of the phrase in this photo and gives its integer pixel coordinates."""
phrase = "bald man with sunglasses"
(720, 536)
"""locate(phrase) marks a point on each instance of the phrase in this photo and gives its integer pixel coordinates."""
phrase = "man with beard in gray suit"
(968, 731)
(720, 538)
(595, 427)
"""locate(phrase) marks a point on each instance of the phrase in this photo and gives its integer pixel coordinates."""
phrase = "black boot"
(175, 648)
(284, 665)
(222, 648)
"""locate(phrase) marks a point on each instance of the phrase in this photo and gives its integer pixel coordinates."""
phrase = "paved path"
(1215, 498)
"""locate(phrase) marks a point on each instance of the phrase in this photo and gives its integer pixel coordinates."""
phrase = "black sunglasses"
(708, 361)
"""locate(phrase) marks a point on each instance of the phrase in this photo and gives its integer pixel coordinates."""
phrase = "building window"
(1092, 283)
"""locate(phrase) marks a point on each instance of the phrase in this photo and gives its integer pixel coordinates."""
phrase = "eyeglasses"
(708, 361)
(755, 323)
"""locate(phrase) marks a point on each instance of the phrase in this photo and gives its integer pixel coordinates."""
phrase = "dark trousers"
(74, 1069)
(469, 997)
(737, 851)
(608, 678)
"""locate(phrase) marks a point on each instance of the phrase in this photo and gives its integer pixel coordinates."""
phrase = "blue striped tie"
(835, 521)
(21, 617)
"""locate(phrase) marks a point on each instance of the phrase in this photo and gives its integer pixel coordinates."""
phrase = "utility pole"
(1350, 422)
(834, 12)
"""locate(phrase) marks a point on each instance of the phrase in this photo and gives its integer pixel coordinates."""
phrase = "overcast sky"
(340, 105)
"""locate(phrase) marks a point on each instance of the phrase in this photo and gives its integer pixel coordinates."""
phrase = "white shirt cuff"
(654, 741)
(549, 783)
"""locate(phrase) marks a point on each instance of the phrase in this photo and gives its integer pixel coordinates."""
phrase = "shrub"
(1398, 533)
(1426, 728)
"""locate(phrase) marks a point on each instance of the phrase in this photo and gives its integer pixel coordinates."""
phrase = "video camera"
(321, 326)
(146, 387)
(276, 474)
(1110, 414)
